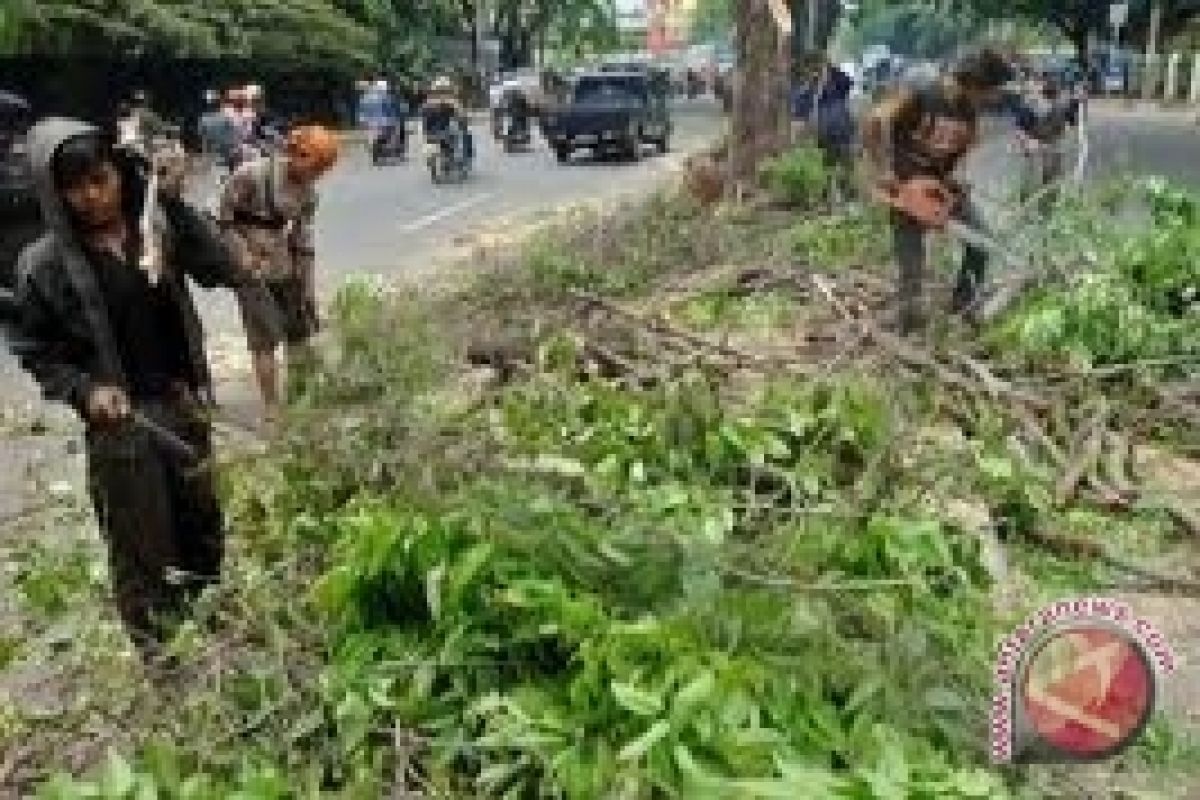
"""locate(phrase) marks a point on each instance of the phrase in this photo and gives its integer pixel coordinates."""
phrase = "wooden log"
(1087, 453)
(1116, 463)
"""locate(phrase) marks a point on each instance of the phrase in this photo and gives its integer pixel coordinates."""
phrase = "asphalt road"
(1135, 141)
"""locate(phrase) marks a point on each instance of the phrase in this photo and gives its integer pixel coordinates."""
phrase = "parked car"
(1114, 80)
(611, 111)
(20, 215)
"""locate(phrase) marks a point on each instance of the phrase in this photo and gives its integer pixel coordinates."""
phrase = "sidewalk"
(1112, 107)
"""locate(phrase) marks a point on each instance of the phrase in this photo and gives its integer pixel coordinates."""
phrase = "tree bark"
(762, 80)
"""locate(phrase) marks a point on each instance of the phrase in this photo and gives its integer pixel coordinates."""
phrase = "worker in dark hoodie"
(115, 335)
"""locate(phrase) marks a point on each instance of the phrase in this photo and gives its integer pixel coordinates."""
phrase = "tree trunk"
(761, 124)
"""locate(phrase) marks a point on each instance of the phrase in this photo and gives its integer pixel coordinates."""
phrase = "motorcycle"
(390, 145)
(516, 133)
(447, 157)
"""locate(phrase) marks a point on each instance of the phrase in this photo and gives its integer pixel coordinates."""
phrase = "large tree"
(760, 90)
(314, 31)
(712, 20)
(1079, 20)
(524, 27)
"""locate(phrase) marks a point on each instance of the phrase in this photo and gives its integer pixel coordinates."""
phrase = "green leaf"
(146, 789)
(559, 465)
(976, 783)
(942, 699)
(492, 779)
(636, 700)
(433, 590)
(637, 748)
(118, 779)
(696, 691)
(466, 570)
(862, 693)
(997, 469)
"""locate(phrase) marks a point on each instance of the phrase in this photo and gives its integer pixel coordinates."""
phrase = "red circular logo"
(1087, 690)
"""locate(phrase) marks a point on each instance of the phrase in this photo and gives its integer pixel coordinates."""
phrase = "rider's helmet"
(442, 85)
(1051, 84)
(315, 144)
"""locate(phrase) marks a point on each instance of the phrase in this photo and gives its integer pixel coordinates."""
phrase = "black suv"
(611, 111)
(20, 217)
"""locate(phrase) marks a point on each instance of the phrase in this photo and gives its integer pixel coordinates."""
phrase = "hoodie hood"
(42, 143)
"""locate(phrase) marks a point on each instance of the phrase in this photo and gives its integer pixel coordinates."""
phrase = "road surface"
(1135, 141)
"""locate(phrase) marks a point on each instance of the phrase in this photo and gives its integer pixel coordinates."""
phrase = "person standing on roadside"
(218, 131)
(138, 125)
(915, 140)
(835, 129)
(1043, 119)
(121, 343)
(267, 208)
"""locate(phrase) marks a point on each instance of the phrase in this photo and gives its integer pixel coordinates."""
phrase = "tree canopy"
(1078, 20)
(394, 35)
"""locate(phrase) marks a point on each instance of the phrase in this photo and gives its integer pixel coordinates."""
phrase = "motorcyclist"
(441, 112)
(218, 132)
(1043, 119)
(380, 116)
(137, 125)
(516, 108)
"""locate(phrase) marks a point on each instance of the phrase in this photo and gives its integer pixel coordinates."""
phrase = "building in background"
(632, 22)
(659, 26)
(668, 25)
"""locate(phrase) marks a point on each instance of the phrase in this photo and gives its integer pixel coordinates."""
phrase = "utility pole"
(1152, 49)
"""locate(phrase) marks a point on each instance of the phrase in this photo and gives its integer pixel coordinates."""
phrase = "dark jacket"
(62, 334)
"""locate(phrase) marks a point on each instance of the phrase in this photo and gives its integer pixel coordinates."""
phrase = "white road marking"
(448, 211)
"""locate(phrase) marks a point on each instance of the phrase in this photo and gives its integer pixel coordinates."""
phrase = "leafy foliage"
(798, 177)
(856, 238)
(536, 642)
(574, 589)
(718, 309)
(1139, 302)
(396, 35)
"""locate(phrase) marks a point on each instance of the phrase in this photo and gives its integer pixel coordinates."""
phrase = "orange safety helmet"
(316, 142)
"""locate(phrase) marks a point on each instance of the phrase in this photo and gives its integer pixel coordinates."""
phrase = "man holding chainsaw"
(915, 140)
(103, 320)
